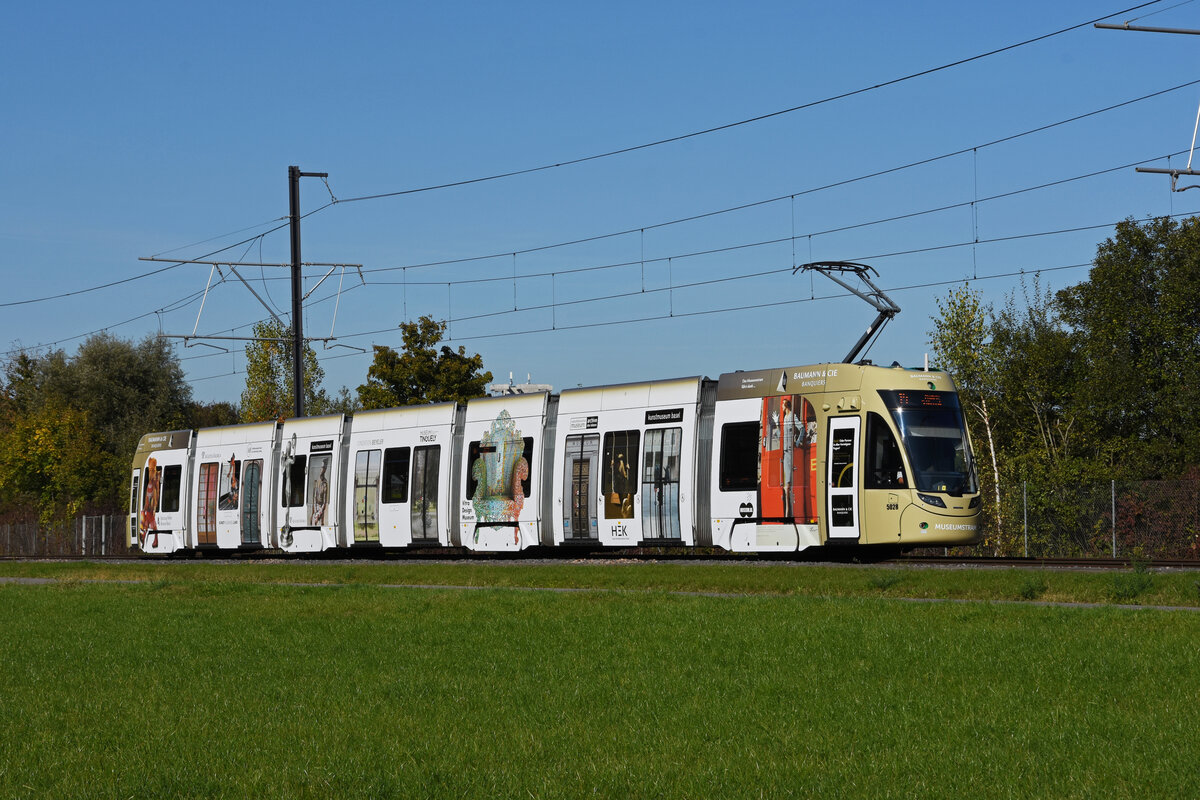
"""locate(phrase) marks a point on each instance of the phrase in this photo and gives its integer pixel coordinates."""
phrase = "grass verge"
(235, 687)
(1137, 586)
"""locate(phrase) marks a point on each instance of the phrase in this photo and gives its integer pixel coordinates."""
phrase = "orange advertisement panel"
(788, 487)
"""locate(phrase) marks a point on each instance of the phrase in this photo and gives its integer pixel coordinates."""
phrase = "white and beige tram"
(780, 460)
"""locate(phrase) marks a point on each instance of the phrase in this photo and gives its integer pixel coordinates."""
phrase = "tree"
(422, 373)
(961, 345)
(1098, 381)
(268, 394)
(1136, 328)
(212, 415)
(61, 412)
(52, 459)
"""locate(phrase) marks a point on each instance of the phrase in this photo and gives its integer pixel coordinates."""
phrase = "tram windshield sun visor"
(933, 435)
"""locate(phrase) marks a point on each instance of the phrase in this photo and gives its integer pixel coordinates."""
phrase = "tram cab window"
(739, 456)
(885, 467)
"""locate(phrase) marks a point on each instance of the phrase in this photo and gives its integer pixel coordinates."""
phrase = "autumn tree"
(268, 394)
(51, 459)
(423, 372)
(71, 423)
(961, 341)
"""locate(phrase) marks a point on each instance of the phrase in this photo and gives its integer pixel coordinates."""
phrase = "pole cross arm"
(1174, 173)
(878, 300)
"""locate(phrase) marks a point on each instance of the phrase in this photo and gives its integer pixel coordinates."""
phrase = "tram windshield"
(932, 432)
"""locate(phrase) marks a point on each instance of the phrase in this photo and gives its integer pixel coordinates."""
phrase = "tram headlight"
(931, 500)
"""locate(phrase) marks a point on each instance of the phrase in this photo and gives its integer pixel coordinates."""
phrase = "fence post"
(1114, 518)
(1025, 511)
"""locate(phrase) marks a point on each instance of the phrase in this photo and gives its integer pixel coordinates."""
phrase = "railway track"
(642, 555)
(1051, 563)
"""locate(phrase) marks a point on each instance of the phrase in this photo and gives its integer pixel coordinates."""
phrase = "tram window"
(294, 488)
(739, 456)
(500, 485)
(472, 482)
(618, 473)
(885, 468)
(228, 486)
(395, 475)
(172, 477)
(133, 496)
(526, 485)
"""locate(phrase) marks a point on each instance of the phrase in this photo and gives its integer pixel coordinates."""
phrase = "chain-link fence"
(1118, 519)
(100, 536)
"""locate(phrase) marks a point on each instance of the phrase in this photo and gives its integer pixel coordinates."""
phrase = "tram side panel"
(764, 494)
(306, 507)
(625, 465)
(499, 468)
(231, 475)
(397, 489)
(157, 521)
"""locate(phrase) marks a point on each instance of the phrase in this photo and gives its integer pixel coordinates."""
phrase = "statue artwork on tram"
(788, 459)
(150, 503)
(498, 471)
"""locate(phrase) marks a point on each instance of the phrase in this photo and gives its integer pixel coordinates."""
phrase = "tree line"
(69, 424)
(1095, 382)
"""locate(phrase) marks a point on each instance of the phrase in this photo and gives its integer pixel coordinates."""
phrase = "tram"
(836, 455)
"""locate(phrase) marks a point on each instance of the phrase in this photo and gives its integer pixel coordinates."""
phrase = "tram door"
(580, 486)
(252, 502)
(366, 489)
(423, 515)
(843, 478)
(660, 483)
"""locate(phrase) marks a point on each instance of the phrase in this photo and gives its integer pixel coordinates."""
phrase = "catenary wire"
(792, 195)
(750, 120)
(766, 242)
(653, 226)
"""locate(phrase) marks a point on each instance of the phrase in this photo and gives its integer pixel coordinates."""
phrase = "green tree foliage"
(212, 415)
(423, 373)
(1136, 331)
(268, 394)
(81, 417)
(1096, 382)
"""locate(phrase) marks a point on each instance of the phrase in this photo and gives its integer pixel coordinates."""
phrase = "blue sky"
(138, 129)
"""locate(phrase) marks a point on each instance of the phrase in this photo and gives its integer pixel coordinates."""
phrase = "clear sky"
(143, 129)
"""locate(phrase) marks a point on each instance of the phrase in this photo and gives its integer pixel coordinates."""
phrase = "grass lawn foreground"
(667, 680)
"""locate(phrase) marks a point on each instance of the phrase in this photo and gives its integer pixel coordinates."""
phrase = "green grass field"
(233, 681)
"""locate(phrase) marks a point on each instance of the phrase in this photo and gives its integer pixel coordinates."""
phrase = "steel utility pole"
(294, 176)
